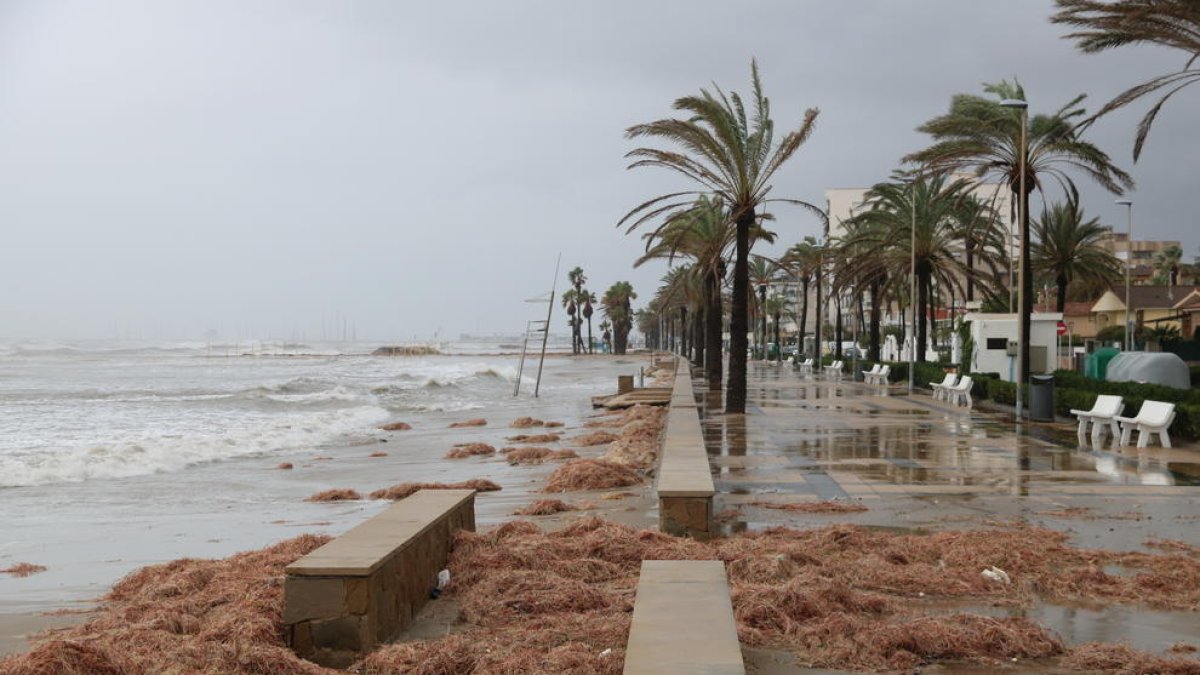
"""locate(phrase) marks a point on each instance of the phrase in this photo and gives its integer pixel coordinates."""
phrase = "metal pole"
(1128, 346)
(1021, 269)
(912, 353)
(537, 385)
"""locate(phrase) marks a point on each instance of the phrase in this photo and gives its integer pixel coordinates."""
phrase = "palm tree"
(606, 334)
(577, 279)
(776, 306)
(1068, 249)
(980, 134)
(616, 302)
(588, 298)
(763, 271)
(570, 301)
(1166, 264)
(879, 241)
(1108, 25)
(733, 157)
(705, 234)
(801, 261)
(977, 223)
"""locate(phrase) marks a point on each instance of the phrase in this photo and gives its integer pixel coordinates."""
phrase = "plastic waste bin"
(1041, 398)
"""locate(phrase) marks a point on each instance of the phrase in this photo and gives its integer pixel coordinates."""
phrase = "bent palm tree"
(705, 234)
(730, 155)
(1108, 25)
(1069, 249)
(979, 134)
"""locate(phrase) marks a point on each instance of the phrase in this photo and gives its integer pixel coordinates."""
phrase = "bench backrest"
(949, 380)
(964, 384)
(1108, 405)
(874, 369)
(884, 371)
(1156, 413)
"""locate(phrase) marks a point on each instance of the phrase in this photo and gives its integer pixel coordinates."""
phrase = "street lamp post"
(1023, 107)
(912, 287)
(1128, 204)
(820, 248)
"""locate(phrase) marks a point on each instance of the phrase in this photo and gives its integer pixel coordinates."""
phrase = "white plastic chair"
(940, 390)
(961, 392)
(1153, 418)
(878, 374)
(1103, 414)
(806, 367)
(834, 371)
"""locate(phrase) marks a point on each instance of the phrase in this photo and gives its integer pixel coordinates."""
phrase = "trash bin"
(1041, 398)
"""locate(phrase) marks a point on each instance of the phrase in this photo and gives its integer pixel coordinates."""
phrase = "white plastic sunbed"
(1153, 418)
(1102, 415)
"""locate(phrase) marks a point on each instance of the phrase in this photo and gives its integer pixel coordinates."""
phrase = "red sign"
(1062, 327)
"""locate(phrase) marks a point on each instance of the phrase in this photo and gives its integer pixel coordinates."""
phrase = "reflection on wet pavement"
(921, 465)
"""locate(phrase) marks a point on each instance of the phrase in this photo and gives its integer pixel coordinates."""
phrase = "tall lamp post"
(912, 287)
(1128, 263)
(1022, 319)
(820, 248)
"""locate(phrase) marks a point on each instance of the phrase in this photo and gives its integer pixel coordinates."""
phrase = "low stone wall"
(685, 486)
(683, 621)
(364, 587)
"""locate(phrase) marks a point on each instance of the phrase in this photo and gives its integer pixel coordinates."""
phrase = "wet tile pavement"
(922, 464)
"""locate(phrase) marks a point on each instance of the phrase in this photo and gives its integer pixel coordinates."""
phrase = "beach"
(178, 456)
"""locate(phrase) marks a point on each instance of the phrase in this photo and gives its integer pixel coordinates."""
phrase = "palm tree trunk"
(589, 350)
(712, 327)
(970, 270)
(803, 316)
(762, 311)
(683, 332)
(837, 329)
(778, 346)
(700, 323)
(735, 393)
(1061, 301)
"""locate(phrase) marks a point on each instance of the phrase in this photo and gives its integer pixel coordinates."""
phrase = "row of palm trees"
(924, 229)
(616, 303)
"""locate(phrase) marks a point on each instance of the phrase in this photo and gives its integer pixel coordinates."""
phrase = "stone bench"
(685, 486)
(683, 621)
(364, 587)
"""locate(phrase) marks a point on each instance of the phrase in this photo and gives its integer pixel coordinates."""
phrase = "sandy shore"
(95, 533)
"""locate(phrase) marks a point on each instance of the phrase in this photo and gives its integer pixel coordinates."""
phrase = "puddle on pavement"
(1141, 628)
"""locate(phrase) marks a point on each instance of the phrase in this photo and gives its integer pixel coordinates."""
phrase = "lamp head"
(1014, 103)
(1124, 202)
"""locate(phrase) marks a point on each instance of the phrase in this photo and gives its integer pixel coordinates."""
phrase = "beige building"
(1151, 306)
(1139, 254)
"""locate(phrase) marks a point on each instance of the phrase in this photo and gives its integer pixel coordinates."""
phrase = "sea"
(115, 455)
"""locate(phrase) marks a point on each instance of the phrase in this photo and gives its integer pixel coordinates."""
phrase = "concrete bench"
(682, 393)
(364, 587)
(683, 621)
(685, 486)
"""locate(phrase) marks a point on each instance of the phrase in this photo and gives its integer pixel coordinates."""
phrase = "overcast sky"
(269, 168)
